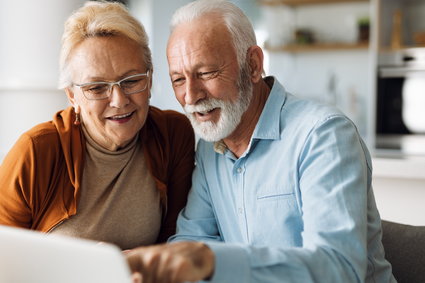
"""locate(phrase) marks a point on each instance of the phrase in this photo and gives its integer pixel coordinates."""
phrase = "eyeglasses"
(103, 90)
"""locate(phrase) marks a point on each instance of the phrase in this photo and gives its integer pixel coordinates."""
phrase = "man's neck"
(239, 140)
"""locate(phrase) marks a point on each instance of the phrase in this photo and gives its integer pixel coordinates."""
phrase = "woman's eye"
(96, 88)
(130, 83)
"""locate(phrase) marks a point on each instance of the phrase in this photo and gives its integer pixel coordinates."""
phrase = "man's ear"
(150, 82)
(255, 58)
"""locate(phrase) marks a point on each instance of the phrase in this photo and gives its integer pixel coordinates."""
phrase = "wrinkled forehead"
(207, 34)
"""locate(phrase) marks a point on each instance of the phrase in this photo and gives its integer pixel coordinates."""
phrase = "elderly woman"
(110, 168)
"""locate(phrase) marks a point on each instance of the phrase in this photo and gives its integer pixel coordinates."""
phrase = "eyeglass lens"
(102, 90)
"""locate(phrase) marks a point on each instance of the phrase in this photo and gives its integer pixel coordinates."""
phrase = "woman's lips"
(122, 118)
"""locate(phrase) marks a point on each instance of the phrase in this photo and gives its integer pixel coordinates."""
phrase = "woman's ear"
(255, 60)
(71, 97)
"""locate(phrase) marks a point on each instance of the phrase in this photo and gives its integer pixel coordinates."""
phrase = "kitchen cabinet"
(400, 76)
(303, 35)
(336, 67)
(304, 2)
(299, 48)
(401, 24)
(359, 77)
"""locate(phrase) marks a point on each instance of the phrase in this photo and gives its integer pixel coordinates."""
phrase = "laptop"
(28, 256)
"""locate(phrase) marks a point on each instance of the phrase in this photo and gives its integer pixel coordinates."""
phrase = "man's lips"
(206, 115)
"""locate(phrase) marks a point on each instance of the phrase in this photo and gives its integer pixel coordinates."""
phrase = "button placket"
(239, 171)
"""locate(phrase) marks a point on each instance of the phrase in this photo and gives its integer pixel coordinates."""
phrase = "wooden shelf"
(304, 2)
(298, 48)
(386, 49)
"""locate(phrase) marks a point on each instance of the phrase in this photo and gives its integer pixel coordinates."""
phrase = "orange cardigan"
(40, 177)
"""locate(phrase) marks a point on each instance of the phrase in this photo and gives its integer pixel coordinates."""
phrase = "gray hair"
(239, 26)
(99, 18)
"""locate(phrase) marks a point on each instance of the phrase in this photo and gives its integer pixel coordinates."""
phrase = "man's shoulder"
(205, 149)
(304, 111)
(205, 146)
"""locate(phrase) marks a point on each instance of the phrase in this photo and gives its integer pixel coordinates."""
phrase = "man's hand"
(171, 263)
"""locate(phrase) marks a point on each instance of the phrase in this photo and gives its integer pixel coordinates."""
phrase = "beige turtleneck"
(119, 202)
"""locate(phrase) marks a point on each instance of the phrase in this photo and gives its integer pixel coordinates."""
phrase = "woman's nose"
(118, 98)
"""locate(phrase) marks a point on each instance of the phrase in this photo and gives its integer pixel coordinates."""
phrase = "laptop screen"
(29, 256)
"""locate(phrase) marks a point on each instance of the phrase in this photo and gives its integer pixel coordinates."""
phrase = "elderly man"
(282, 186)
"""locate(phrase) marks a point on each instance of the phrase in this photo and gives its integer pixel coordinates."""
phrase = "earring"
(77, 121)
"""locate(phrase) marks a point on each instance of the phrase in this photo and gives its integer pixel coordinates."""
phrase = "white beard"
(230, 112)
(230, 115)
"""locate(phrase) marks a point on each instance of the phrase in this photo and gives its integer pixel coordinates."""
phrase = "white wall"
(29, 53)
(311, 75)
(29, 56)
(155, 15)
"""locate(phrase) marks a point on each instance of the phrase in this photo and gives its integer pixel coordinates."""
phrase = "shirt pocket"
(274, 193)
(277, 218)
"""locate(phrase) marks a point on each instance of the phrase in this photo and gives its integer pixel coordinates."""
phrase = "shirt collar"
(220, 147)
(268, 126)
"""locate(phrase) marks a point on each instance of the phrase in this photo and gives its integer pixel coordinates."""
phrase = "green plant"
(363, 21)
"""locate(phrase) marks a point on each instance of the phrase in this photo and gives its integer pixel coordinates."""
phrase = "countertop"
(412, 167)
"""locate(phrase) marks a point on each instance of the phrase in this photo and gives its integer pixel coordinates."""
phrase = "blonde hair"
(99, 19)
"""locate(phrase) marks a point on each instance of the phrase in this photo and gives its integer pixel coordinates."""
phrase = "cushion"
(405, 249)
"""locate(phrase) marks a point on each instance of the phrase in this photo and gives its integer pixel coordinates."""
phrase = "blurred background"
(367, 57)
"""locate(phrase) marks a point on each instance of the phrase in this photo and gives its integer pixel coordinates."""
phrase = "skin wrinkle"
(205, 45)
(214, 48)
(100, 59)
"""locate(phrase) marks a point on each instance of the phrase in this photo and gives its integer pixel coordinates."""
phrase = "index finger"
(134, 260)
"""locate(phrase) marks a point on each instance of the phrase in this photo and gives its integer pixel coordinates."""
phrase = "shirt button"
(240, 210)
(239, 170)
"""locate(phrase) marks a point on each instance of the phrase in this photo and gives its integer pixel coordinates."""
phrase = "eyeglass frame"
(112, 84)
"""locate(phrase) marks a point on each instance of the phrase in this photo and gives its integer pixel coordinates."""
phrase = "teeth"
(121, 116)
(206, 111)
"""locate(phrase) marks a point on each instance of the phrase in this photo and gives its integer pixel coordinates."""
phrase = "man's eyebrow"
(175, 73)
(196, 68)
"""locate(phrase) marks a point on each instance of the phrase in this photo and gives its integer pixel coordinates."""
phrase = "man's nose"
(118, 98)
(195, 91)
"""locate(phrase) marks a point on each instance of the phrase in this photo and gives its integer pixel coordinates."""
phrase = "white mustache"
(205, 105)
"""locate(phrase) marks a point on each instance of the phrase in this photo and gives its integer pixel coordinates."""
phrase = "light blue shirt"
(297, 206)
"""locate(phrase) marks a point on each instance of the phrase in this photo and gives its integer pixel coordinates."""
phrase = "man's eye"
(178, 81)
(208, 75)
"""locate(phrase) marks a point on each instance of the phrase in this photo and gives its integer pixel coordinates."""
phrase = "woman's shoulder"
(50, 130)
(40, 141)
(35, 144)
(43, 133)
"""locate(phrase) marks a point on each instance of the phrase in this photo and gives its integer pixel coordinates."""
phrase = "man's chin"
(211, 132)
(206, 131)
